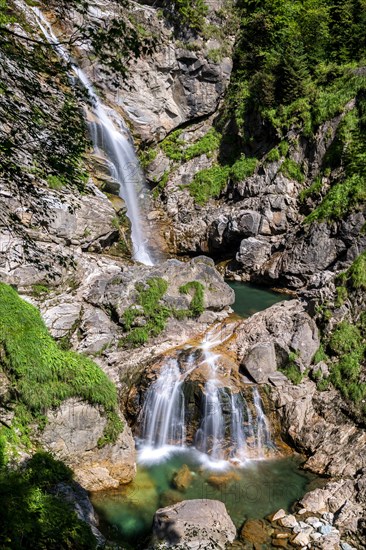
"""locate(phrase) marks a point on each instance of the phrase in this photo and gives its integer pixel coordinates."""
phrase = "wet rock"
(183, 478)
(221, 480)
(301, 539)
(255, 531)
(288, 521)
(194, 524)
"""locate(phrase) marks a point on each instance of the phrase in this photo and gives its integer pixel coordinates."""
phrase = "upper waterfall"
(110, 137)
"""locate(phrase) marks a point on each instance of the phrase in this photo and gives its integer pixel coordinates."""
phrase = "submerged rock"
(193, 524)
(183, 478)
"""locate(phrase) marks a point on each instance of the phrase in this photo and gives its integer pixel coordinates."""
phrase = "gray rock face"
(266, 340)
(120, 292)
(253, 252)
(72, 434)
(194, 524)
(261, 362)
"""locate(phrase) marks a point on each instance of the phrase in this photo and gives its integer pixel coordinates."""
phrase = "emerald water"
(250, 298)
(249, 488)
(253, 491)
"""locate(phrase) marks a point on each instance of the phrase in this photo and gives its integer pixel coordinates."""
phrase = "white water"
(263, 428)
(110, 136)
(227, 429)
(164, 412)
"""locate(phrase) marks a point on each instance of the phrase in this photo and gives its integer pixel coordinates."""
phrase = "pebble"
(315, 536)
(325, 529)
(278, 515)
(302, 511)
(346, 546)
(282, 535)
(302, 539)
(328, 517)
(288, 521)
(313, 521)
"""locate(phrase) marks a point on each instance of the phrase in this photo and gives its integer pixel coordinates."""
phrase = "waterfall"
(238, 436)
(164, 412)
(227, 428)
(263, 431)
(110, 136)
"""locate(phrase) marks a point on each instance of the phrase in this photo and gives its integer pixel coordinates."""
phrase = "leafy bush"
(292, 170)
(32, 518)
(208, 183)
(42, 374)
(243, 168)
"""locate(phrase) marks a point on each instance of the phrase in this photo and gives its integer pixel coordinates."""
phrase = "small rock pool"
(252, 491)
(250, 299)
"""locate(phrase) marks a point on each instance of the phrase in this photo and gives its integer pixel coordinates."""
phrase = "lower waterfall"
(230, 426)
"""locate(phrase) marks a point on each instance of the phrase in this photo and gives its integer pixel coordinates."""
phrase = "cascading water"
(263, 431)
(163, 412)
(227, 429)
(110, 136)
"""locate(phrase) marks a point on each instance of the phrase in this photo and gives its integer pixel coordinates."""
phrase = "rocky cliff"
(271, 199)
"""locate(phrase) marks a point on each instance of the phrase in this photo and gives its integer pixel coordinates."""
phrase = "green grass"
(340, 199)
(209, 183)
(153, 313)
(206, 145)
(175, 148)
(41, 373)
(313, 191)
(31, 516)
(347, 345)
(243, 168)
(273, 155)
(292, 170)
(197, 304)
(357, 272)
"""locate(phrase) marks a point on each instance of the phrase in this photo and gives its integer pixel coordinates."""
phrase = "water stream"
(111, 139)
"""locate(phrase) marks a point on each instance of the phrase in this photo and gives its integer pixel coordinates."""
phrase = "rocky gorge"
(283, 207)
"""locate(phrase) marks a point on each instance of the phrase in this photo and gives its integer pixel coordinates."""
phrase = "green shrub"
(323, 384)
(196, 307)
(342, 295)
(283, 148)
(293, 373)
(207, 144)
(42, 374)
(243, 168)
(292, 170)
(209, 183)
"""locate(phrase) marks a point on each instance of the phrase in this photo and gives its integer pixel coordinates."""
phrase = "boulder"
(193, 524)
(260, 362)
(254, 252)
(72, 434)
